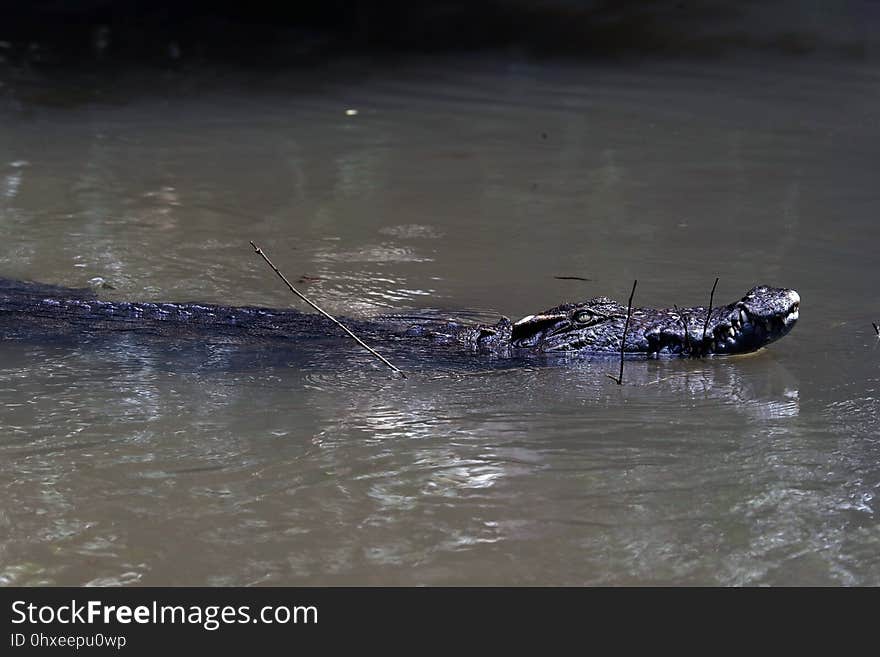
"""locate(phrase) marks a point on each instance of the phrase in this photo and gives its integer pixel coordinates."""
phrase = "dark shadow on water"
(274, 35)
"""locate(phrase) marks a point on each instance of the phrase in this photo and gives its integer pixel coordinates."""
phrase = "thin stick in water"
(260, 253)
(629, 306)
(876, 329)
(709, 312)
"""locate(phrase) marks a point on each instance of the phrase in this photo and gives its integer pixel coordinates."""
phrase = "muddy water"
(464, 186)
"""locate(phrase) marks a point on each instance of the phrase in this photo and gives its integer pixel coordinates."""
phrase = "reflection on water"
(206, 450)
(464, 188)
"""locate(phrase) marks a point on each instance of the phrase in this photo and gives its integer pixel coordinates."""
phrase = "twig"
(709, 312)
(260, 253)
(619, 379)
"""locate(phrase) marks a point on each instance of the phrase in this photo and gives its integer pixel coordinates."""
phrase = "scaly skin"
(763, 315)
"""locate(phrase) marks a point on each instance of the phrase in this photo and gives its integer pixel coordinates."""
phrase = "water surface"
(454, 185)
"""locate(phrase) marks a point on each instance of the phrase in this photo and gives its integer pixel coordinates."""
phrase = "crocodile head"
(763, 315)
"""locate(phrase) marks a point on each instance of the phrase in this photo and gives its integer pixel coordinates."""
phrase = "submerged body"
(598, 325)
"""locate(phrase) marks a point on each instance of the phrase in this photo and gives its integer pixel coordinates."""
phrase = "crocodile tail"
(12, 289)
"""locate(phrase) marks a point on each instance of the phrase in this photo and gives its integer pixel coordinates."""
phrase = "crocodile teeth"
(743, 317)
(731, 332)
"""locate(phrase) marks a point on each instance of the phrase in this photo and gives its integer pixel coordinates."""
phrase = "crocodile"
(596, 326)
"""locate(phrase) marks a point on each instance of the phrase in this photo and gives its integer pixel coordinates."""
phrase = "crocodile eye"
(585, 318)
